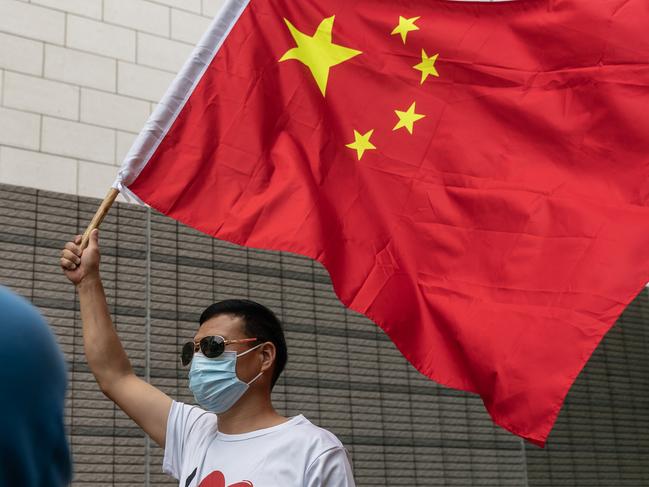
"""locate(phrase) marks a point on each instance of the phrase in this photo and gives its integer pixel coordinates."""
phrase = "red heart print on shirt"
(216, 479)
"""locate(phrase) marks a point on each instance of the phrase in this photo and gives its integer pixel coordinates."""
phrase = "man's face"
(232, 328)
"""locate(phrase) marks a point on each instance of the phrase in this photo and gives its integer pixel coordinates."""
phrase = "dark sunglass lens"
(187, 353)
(212, 346)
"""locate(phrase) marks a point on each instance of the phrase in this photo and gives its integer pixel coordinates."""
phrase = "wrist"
(88, 281)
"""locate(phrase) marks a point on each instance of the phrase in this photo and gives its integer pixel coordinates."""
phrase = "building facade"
(78, 78)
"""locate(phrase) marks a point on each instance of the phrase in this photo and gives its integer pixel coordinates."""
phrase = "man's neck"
(254, 411)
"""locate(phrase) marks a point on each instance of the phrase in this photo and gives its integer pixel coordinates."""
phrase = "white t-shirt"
(293, 454)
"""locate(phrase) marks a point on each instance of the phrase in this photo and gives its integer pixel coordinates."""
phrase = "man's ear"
(268, 354)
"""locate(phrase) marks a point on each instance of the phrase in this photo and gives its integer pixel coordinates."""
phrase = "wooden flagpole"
(102, 211)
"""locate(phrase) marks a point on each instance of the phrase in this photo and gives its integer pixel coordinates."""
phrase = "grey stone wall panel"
(343, 372)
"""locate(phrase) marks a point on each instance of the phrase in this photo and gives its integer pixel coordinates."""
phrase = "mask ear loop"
(248, 351)
(256, 377)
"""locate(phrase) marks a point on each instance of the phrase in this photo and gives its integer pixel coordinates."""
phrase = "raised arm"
(146, 405)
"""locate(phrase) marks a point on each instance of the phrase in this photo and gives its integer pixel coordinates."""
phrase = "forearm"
(149, 407)
(104, 351)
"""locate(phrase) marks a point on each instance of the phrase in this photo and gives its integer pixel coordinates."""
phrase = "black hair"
(259, 322)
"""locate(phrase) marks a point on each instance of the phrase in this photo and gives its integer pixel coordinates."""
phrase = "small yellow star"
(318, 52)
(405, 26)
(408, 118)
(427, 66)
(361, 143)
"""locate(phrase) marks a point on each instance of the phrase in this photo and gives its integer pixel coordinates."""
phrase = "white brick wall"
(20, 129)
(31, 21)
(78, 78)
(79, 68)
(20, 54)
(38, 170)
(39, 95)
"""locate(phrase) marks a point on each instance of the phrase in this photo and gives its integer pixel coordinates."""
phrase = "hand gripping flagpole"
(101, 213)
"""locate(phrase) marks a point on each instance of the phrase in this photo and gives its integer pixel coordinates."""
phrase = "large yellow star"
(408, 118)
(405, 26)
(361, 143)
(317, 52)
(427, 66)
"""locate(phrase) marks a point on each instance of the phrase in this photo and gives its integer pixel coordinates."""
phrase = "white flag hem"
(157, 126)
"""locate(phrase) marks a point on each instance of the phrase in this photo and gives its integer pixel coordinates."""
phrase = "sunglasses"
(211, 346)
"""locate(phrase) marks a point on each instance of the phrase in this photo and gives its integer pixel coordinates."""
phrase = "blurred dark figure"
(33, 379)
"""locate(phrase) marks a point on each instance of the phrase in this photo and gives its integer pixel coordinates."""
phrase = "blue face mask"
(214, 381)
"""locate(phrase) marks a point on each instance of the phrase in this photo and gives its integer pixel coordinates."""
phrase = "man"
(34, 450)
(236, 438)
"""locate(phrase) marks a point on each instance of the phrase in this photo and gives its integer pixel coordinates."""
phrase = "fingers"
(69, 259)
(94, 239)
(72, 248)
(67, 264)
(77, 239)
(70, 256)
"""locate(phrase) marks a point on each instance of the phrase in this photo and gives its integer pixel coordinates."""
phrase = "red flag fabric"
(474, 176)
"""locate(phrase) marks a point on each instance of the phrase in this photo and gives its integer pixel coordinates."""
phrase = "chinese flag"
(474, 176)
